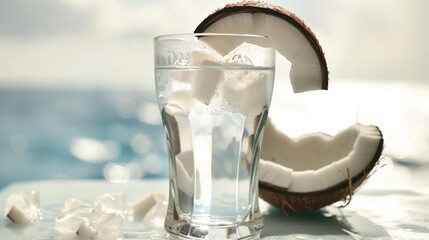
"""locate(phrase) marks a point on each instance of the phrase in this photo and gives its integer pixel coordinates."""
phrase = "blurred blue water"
(57, 134)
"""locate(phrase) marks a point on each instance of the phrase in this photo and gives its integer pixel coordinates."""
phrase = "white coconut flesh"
(317, 161)
(291, 38)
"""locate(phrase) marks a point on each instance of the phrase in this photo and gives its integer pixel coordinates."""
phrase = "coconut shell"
(299, 202)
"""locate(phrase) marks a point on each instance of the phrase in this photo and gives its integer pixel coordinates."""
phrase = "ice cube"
(68, 224)
(74, 213)
(248, 54)
(143, 205)
(240, 59)
(108, 226)
(113, 203)
(81, 211)
(245, 92)
(23, 207)
(104, 226)
(240, 55)
(156, 216)
(71, 204)
(102, 220)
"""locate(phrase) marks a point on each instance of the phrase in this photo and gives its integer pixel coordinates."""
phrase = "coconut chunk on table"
(22, 207)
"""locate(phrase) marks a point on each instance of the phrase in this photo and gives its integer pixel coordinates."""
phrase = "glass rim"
(177, 36)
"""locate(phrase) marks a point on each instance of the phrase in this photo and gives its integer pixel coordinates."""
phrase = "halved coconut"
(316, 170)
(290, 36)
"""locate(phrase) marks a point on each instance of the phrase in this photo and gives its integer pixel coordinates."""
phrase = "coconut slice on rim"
(315, 170)
(290, 37)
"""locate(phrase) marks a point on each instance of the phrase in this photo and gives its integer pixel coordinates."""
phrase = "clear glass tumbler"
(214, 92)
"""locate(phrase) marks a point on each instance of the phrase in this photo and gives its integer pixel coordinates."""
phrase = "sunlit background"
(76, 81)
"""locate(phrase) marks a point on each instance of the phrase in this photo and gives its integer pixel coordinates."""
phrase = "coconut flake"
(202, 80)
(86, 231)
(143, 205)
(17, 216)
(204, 57)
(23, 207)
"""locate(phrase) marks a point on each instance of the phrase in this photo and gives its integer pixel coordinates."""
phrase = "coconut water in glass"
(214, 92)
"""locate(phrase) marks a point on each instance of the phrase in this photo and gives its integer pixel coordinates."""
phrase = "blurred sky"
(107, 43)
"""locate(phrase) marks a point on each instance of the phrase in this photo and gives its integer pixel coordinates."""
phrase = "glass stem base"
(184, 230)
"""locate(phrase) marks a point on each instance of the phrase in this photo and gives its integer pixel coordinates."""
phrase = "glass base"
(184, 230)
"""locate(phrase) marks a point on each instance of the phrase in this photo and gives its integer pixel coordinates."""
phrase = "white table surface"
(393, 204)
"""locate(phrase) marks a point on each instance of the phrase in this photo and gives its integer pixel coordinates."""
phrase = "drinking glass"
(214, 92)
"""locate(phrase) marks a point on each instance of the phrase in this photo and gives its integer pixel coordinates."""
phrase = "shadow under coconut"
(332, 222)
